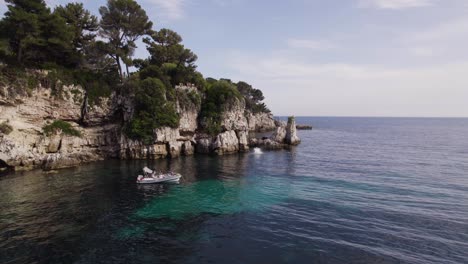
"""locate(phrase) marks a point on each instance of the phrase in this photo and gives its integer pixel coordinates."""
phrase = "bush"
(5, 128)
(253, 98)
(18, 81)
(218, 94)
(152, 110)
(97, 84)
(189, 99)
(141, 128)
(63, 126)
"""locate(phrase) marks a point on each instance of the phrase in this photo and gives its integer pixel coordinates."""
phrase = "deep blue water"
(357, 190)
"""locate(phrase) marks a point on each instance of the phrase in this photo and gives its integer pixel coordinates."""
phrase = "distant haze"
(329, 57)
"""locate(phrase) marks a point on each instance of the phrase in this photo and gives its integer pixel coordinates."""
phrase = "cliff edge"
(36, 139)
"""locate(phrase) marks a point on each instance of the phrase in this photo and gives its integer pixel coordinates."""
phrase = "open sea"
(357, 190)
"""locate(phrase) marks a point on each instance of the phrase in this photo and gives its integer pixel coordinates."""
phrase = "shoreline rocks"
(27, 147)
(284, 136)
(303, 127)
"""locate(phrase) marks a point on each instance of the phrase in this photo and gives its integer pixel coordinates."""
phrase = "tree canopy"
(122, 23)
(34, 34)
(84, 27)
(78, 47)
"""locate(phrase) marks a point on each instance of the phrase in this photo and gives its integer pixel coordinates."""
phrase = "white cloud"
(444, 31)
(170, 9)
(310, 44)
(355, 89)
(446, 38)
(394, 4)
(422, 51)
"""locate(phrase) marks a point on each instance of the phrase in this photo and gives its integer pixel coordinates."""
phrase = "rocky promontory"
(100, 129)
(72, 91)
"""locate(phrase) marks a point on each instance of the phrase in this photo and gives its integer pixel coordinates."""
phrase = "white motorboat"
(153, 177)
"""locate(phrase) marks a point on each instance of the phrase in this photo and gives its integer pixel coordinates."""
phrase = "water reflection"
(44, 217)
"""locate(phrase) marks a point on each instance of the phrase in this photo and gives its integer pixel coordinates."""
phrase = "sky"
(328, 57)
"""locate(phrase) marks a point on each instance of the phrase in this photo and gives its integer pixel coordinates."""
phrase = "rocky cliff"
(101, 130)
(285, 135)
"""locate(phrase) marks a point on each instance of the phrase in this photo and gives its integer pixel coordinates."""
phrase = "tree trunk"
(128, 73)
(117, 59)
(84, 108)
(19, 56)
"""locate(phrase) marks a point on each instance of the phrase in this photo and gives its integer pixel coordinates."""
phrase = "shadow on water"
(81, 213)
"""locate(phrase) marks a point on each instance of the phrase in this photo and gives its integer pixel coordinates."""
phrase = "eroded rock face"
(284, 136)
(234, 116)
(291, 133)
(43, 105)
(55, 144)
(174, 148)
(166, 134)
(188, 107)
(57, 151)
(267, 144)
(279, 135)
(226, 142)
(204, 145)
(243, 137)
(261, 122)
(28, 147)
(60, 161)
(100, 112)
(188, 120)
(187, 148)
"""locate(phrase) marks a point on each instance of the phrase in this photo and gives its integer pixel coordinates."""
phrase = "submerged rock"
(303, 127)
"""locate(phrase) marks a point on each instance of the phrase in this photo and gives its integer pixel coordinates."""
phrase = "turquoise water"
(357, 190)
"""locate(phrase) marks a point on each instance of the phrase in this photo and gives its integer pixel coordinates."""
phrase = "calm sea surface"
(357, 190)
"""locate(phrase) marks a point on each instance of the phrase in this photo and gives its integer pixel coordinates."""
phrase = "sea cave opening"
(4, 167)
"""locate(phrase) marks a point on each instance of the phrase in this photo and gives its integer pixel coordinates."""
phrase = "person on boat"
(147, 172)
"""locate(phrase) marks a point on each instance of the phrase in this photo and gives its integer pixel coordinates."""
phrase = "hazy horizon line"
(357, 116)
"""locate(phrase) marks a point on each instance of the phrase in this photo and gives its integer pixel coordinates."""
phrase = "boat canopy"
(147, 170)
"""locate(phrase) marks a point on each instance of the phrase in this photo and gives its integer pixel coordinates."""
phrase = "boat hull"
(165, 179)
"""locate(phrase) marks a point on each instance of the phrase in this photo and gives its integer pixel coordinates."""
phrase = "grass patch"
(5, 128)
(60, 126)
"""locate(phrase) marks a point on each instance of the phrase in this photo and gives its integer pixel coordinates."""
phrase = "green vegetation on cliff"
(5, 128)
(60, 126)
(218, 96)
(61, 47)
(152, 110)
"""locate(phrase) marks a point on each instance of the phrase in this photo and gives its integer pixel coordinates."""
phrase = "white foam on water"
(257, 151)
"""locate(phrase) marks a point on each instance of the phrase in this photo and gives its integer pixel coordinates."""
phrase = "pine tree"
(21, 27)
(122, 23)
(34, 35)
(84, 27)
